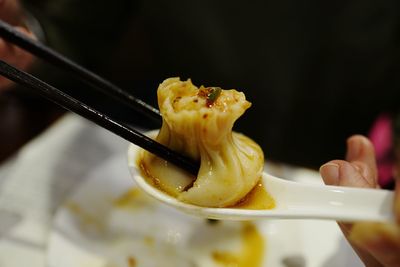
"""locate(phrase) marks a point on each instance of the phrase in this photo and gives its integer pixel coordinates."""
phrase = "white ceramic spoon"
(293, 200)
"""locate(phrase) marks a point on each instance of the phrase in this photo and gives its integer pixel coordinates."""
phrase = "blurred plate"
(109, 222)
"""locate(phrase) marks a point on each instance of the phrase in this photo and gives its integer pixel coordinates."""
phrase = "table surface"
(35, 180)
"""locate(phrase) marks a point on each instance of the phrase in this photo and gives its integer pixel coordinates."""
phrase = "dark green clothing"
(316, 72)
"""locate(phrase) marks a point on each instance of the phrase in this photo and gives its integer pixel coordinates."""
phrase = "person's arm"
(11, 12)
(377, 244)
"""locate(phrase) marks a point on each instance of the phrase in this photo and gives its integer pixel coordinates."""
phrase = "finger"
(360, 149)
(330, 172)
(13, 53)
(10, 11)
(331, 175)
(382, 241)
(367, 173)
(23, 59)
(14, 56)
(25, 31)
(343, 173)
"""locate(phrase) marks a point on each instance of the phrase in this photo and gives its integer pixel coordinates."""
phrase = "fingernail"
(330, 173)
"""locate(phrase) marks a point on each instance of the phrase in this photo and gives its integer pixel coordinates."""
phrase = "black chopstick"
(119, 128)
(40, 50)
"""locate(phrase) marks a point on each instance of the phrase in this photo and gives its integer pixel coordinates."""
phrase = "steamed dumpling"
(198, 122)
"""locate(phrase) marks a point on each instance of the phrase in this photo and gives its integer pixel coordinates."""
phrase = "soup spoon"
(293, 200)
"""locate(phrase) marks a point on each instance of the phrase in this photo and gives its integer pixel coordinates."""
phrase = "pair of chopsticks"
(61, 98)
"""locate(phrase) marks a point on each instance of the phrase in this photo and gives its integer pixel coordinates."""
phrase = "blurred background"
(315, 72)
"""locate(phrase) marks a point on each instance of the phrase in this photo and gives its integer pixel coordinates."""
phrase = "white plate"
(91, 230)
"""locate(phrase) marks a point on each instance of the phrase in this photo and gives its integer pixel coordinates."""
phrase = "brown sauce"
(87, 220)
(257, 199)
(131, 262)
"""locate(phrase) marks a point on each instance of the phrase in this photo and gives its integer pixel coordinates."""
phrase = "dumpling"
(197, 122)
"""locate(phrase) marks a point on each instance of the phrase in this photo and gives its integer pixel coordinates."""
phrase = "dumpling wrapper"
(231, 163)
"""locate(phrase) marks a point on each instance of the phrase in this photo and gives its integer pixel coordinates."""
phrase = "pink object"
(381, 135)
(382, 139)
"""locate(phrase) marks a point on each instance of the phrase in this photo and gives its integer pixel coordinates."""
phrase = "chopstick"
(96, 116)
(40, 50)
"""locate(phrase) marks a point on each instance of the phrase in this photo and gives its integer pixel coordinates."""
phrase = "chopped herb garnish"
(213, 94)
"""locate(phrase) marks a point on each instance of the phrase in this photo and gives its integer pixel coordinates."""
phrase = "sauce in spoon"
(257, 199)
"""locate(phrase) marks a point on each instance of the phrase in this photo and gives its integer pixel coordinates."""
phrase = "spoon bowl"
(293, 200)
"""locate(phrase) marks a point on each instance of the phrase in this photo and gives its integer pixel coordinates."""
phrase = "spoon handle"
(331, 202)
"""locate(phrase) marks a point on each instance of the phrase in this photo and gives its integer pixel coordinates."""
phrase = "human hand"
(377, 244)
(11, 12)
